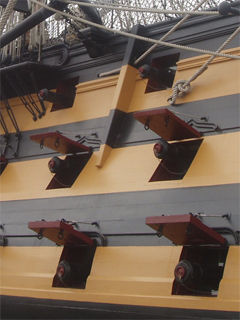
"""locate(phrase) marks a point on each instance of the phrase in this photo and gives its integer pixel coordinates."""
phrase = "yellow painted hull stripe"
(126, 92)
(121, 275)
(125, 170)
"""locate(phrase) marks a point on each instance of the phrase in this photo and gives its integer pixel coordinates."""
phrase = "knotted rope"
(181, 87)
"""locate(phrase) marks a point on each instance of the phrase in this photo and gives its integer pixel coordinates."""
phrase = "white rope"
(122, 7)
(37, 35)
(14, 48)
(168, 33)
(9, 9)
(181, 87)
(137, 36)
(32, 32)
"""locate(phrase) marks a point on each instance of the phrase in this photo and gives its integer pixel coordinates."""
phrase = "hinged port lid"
(185, 230)
(60, 232)
(59, 143)
(166, 124)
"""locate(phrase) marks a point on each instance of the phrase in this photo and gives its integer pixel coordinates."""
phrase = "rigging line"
(168, 33)
(3, 124)
(35, 85)
(24, 89)
(183, 86)
(22, 98)
(130, 35)
(9, 111)
(205, 65)
(122, 7)
(6, 14)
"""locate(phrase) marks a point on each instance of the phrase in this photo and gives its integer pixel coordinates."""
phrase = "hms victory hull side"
(123, 206)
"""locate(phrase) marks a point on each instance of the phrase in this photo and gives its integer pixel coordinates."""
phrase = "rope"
(116, 6)
(9, 9)
(137, 36)
(181, 87)
(38, 34)
(168, 33)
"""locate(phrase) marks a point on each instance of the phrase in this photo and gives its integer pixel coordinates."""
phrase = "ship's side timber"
(129, 276)
(132, 276)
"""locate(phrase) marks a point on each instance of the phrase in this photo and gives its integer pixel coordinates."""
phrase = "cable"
(169, 171)
(193, 290)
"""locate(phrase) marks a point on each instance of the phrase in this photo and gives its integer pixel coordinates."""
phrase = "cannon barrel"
(173, 151)
(39, 17)
(57, 98)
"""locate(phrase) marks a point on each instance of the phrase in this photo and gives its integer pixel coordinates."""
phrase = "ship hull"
(96, 222)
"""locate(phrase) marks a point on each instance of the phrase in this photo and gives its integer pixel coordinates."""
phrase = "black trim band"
(32, 308)
(114, 213)
(120, 129)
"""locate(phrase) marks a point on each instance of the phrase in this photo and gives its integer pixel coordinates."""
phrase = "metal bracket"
(90, 140)
(160, 231)
(76, 223)
(146, 126)
(3, 238)
(226, 230)
(204, 126)
(201, 215)
(18, 136)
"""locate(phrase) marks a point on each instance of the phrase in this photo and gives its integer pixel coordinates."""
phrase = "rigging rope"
(4, 126)
(181, 87)
(9, 9)
(122, 7)
(9, 110)
(137, 36)
(168, 34)
(16, 86)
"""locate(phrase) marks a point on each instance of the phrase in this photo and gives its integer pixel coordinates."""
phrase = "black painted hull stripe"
(28, 308)
(214, 200)
(120, 129)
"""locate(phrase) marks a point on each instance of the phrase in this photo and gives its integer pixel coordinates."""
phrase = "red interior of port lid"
(166, 124)
(58, 142)
(60, 232)
(185, 230)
